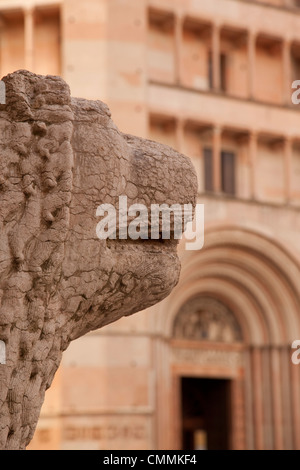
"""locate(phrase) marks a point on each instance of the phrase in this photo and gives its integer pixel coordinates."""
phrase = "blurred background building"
(209, 367)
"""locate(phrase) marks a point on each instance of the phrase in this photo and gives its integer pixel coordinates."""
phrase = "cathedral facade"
(211, 366)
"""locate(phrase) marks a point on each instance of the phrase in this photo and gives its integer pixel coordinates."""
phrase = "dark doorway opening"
(205, 414)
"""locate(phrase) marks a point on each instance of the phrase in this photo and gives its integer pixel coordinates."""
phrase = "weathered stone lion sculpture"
(60, 159)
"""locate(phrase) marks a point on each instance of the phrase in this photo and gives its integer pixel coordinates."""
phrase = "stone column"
(2, 26)
(295, 391)
(216, 57)
(217, 142)
(180, 135)
(177, 420)
(267, 398)
(251, 63)
(258, 412)
(178, 49)
(253, 162)
(249, 418)
(286, 397)
(29, 38)
(238, 414)
(287, 71)
(276, 380)
(288, 156)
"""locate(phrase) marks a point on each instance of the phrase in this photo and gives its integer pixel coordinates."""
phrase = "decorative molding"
(209, 357)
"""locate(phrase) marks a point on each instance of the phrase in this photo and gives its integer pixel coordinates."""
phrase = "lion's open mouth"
(147, 245)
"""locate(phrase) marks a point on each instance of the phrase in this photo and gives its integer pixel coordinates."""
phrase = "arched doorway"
(231, 321)
(208, 411)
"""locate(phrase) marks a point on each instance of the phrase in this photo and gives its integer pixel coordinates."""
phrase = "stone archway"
(207, 351)
(256, 279)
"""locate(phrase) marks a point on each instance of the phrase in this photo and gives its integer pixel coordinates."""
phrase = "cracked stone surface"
(60, 158)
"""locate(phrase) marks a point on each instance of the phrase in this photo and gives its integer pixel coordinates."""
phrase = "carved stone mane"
(59, 159)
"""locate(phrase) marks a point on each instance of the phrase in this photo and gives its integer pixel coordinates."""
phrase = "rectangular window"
(208, 169)
(228, 172)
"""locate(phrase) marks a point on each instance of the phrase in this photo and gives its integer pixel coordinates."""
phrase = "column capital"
(252, 33)
(217, 129)
(179, 16)
(287, 41)
(288, 139)
(180, 122)
(28, 9)
(253, 133)
(216, 25)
